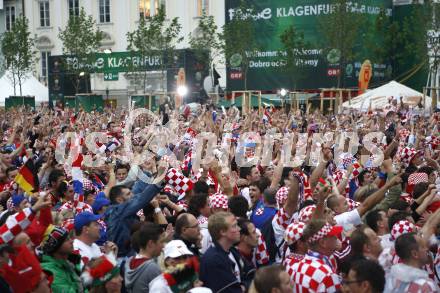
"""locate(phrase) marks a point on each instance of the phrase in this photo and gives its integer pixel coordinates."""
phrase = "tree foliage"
(341, 30)
(18, 51)
(81, 40)
(239, 39)
(153, 36)
(207, 43)
(293, 44)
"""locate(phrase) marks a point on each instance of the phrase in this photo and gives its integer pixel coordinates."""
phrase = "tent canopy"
(30, 87)
(379, 97)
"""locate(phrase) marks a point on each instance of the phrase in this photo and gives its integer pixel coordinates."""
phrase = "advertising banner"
(319, 64)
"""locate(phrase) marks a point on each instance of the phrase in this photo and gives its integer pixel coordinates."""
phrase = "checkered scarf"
(323, 232)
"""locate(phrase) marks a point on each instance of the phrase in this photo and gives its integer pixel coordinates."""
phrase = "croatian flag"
(190, 135)
(266, 117)
(77, 180)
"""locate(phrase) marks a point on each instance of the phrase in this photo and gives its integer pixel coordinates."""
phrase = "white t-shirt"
(279, 224)
(87, 252)
(348, 219)
(206, 239)
(160, 285)
(385, 241)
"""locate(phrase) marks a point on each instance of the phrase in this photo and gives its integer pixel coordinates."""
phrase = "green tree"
(81, 40)
(153, 36)
(18, 52)
(341, 30)
(239, 39)
(293, 45)
(207, 43)
(429, 16)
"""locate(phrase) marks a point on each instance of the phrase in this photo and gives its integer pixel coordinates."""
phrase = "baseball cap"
(175, 249)
(99, 203)
(84, 218)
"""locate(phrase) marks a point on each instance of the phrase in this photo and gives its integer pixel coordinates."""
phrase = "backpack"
(269, 238)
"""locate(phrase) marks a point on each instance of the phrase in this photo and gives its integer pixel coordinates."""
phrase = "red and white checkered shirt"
(260, 252)
(290, 260)
(79, 208)
(312, 274)
(15, 224)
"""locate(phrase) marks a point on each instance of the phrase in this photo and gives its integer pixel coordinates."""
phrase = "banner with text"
(319, 66)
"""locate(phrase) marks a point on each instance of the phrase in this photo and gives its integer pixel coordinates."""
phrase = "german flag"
(27, 177)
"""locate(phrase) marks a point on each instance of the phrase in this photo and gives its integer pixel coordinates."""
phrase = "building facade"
(9, 10)
(115, 18)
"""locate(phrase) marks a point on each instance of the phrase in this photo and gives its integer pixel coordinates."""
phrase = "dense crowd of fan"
(338, 222)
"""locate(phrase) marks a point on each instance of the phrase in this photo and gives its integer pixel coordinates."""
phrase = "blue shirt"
(261, 214)
(217, 271)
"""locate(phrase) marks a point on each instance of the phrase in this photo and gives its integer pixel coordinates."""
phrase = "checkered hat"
(357, 169)
(294, 232)
(305, 215)
(281, 196)
(402, 227)
(326, 230)
(179, 182)
(407, 155)
(414, 179)
(218, 201)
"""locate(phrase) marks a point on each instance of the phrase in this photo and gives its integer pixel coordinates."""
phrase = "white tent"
(379, 97)
(30, 87)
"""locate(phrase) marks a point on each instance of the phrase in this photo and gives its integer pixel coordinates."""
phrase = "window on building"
(10, 17)
(145, 8)
(202, 6)
(44, 65)
(74, 7)
(44, 13)
(148, 8)
(104, 11)
(160, 4)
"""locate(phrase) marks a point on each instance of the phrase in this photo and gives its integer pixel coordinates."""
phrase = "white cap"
(175, 249)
